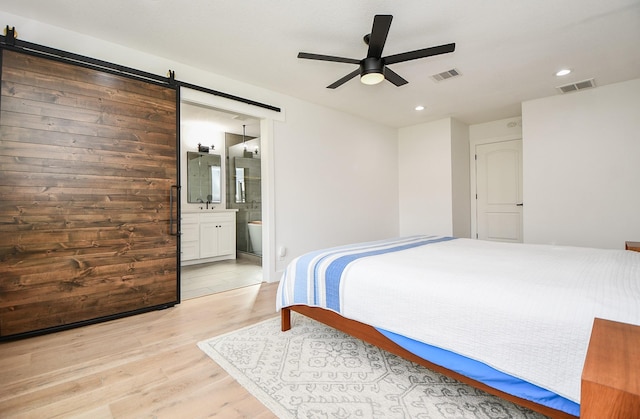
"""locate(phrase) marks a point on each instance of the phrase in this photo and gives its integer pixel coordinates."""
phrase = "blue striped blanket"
(314, 279)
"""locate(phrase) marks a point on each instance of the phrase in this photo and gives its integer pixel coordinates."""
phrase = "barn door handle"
(171, 220)
(519, 205)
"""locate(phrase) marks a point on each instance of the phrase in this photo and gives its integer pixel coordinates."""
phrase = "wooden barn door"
(87, 163)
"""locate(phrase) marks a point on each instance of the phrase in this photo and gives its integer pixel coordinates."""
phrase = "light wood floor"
(143, 366)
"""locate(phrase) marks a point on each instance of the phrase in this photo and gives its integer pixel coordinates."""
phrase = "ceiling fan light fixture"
(371, 78)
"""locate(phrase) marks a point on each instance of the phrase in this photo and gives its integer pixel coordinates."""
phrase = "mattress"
(523, 310)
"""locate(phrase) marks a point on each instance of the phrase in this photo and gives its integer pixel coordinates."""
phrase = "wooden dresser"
(635, 246)
(611, 375)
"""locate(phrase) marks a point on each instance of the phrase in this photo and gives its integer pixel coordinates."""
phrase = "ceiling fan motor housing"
(371, 65)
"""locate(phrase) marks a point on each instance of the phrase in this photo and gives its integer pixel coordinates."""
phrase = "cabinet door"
(226, 238)
(209, 239)
(190, 250)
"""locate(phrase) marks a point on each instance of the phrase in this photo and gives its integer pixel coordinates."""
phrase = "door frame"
(473, 186)
(267, 119)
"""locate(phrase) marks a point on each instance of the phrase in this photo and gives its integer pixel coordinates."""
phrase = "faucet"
(208, 204)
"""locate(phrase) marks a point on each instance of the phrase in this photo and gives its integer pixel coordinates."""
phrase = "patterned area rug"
(314, 371)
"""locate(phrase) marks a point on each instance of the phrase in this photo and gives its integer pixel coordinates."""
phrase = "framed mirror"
(203, 178)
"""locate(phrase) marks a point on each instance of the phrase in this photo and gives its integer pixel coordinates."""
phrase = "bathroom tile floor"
(211, 278)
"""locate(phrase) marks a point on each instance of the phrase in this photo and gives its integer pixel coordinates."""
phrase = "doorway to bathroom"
(232, 140)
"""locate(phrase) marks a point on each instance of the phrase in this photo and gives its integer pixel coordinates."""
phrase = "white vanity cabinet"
(217, 236)
(190, 238)
(208, 237)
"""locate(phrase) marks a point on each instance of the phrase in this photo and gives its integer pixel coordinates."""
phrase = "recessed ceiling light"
(419, 108)
(563, 72)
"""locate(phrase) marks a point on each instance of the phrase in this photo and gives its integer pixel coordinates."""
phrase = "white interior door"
(499, 191)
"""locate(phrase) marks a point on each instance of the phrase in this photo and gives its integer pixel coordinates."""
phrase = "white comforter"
(526, 310)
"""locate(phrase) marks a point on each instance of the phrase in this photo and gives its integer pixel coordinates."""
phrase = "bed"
(511, 319)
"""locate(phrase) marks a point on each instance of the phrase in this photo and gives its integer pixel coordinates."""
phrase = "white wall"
(336, 179)
(428, 156)
(460, 186)
(331, 178)
(493, 131)
(581, 159)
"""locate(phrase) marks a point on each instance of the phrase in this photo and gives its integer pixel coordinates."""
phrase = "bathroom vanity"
(208, 236)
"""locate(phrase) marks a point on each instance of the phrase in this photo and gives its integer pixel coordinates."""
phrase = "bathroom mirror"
(203, 177)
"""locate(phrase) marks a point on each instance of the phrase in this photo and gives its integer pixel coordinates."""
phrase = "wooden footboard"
(371, 335)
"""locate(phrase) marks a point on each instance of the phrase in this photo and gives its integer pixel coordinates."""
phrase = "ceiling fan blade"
(393, 77)
(344, 79)
(320, 57)
(420, 53)
(378, 36)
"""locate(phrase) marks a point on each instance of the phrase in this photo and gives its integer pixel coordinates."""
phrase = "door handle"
(171, 202)
(519, 205)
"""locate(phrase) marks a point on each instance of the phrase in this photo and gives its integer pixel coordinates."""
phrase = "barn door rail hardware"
(10, 41)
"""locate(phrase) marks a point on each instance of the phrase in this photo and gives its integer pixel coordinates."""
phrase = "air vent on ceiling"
(446, 75)
(580, 85)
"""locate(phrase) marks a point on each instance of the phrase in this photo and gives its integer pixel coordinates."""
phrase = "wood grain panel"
(132, 148)
(87, 160)
(610, 386)
(39, 73)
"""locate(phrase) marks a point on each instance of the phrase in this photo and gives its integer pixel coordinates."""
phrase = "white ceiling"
(506, 50)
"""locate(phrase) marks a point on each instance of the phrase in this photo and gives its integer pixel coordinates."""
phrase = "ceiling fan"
(373, 68)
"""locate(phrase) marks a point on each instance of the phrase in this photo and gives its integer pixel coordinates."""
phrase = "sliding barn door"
(87, 162)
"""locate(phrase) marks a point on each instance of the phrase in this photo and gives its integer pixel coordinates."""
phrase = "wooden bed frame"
(371, 335)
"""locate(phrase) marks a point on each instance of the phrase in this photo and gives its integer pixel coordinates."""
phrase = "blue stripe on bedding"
(336, 268)
(485, 374)
(311, 262)
(307, 271)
